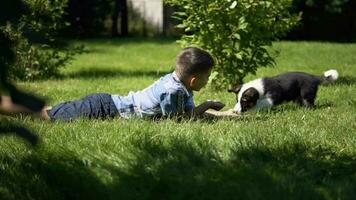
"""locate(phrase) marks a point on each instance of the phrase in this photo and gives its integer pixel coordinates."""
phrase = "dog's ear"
(235, 90)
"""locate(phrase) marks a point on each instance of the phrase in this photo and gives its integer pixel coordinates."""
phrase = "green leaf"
(233, 5)
(237, 36)
(239, 55)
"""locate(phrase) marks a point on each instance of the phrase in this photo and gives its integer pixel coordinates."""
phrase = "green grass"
(287, 152)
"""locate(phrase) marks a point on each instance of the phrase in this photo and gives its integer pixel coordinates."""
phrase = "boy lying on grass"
(171, 95)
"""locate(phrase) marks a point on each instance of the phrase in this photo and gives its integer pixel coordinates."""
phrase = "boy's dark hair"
(193, 61)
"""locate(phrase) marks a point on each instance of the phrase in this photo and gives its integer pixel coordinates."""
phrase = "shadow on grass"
(131, 40)
(107, 73)
(265, 113)
(244, 118)
(346, 80)
(294, 107)
(181, 169)
(100, 45)
(49, 177)
(189, 171)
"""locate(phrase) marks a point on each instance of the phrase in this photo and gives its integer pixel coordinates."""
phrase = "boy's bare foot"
(43, 114)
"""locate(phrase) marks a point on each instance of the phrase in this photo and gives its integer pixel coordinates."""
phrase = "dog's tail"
(330, 76)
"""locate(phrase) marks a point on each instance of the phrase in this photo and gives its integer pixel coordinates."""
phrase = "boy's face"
(199, 81)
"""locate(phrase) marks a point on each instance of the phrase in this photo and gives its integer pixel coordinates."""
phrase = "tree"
(237, 33)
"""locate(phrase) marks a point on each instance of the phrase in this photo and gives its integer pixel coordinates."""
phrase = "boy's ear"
(192, 81)
(235, 90)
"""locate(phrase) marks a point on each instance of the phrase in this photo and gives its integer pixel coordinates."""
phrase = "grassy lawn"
(283, 153)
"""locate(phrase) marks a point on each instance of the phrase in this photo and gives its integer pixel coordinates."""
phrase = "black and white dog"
(291, 86)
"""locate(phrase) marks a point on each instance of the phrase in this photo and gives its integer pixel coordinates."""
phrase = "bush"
(44, 20)
(235, 32)
(33, 41)
(34, 61)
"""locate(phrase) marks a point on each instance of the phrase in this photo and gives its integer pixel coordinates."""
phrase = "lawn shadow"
(100, 45)
(214, 119)
(244, 117)
(294, 107)
(346, 80)
(109, 73)
(182, 170)
(324, 105)
(8, 128)
(49, 177)
(131, 40)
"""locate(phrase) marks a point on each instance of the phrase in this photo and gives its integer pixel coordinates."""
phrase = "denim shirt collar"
(176, 79)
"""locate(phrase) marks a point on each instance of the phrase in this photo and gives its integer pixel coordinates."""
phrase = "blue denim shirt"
(167, 96)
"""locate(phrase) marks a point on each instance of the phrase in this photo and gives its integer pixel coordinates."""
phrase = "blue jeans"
(94, 106)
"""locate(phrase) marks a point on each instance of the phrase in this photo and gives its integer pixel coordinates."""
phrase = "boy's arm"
(173, 105)
(216, 105)
(203, 110)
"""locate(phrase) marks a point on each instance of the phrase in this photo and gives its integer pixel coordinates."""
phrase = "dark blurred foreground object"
(11, 11)
(331, 20)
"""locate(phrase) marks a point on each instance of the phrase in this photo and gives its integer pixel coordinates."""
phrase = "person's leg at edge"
(8, 107)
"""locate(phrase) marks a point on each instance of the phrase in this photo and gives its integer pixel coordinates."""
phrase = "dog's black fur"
(299, 87)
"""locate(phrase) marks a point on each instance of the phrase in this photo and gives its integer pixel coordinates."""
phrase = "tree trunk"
(120, 15)
(114, 27)
(124, 18)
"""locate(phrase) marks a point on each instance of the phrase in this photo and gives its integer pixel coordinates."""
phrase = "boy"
(171, 95)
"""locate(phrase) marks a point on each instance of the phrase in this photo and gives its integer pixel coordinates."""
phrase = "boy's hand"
(216, 105)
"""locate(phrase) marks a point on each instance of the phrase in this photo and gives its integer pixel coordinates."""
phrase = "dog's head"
(246, 98)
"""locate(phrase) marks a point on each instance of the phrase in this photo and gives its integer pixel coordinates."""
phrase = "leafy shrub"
(33, 41)
(235, 32)
(45, 17)
(35, 61)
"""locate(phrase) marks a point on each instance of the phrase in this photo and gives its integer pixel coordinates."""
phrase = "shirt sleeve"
(175, 102)
(189, 104)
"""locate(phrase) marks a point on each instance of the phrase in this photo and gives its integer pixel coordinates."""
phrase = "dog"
(266, 92)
